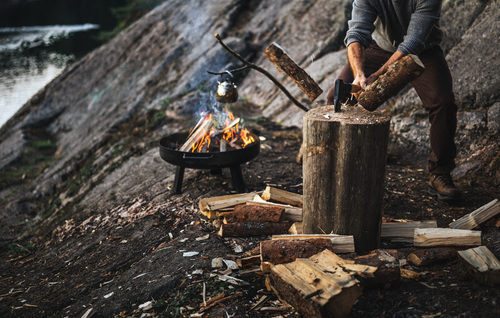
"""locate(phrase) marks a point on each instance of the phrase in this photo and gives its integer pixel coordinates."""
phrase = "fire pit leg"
(179, 175)
(237, 179)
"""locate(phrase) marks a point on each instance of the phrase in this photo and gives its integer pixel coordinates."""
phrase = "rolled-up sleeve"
(361, 25)
(423, 20)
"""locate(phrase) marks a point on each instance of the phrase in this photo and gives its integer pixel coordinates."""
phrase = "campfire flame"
(218, 132)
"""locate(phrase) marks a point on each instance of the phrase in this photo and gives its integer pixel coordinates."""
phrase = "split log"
(388, 272)
(403, 231)
(282, 196)
(398, 75)
(248, 261)
(341, 243)
(343, 173)
(446, 237)
(431, 256)
(285, 64)
(253, 229)
(249, 213)
(481, 215)
(224, 201)
(315, 291)
(296, 228)
(292, 214)
(483, 263)
(196, 135)
(284, 251)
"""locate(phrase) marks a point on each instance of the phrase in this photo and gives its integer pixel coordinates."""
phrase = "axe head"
(343, 93)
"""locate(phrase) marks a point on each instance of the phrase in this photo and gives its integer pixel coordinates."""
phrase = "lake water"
(40, 38)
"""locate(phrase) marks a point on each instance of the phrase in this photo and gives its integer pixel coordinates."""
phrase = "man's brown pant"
(434, 87)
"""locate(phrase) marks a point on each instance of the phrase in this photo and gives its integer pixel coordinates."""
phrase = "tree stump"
(343, 172)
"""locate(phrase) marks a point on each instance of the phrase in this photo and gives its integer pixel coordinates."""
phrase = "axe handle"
(355, 88)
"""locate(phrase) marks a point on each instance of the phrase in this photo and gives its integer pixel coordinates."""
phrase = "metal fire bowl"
(213, 160)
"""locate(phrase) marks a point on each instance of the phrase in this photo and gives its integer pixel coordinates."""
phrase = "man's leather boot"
(442, 186)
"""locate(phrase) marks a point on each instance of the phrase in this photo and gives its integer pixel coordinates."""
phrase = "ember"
(217, 133)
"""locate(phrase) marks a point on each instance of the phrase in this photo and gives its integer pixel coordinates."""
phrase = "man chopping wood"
(383, 31)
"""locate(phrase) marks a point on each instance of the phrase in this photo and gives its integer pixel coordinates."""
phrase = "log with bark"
(403, 232)
(446, 237)
(483, 263)
(423, 257)
(251, 213)
(341, 243)
(285, 64)
(343, 169)
(209, 206)
(284, 251)
(253, 229)
(292, 214)
(398, 75)
(388, 272)
(475, 218)
(282, 196)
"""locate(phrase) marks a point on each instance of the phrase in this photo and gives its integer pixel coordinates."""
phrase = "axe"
(343, 93)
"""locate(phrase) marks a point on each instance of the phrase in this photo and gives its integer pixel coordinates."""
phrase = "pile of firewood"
(305, 271)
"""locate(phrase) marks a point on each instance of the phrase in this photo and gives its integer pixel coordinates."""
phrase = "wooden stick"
(196, 135)
(431, 256)
(446, 237)
(286, 65)
(403, 231)
(263, 71)
(481, 215)
(341, 243)
(282, 196)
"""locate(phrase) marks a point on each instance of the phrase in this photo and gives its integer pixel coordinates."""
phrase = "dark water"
(39, 38)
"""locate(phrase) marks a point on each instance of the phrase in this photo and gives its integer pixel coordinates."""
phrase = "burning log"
(432, 256)
(483, 263)
(403, 231)
(250, 213)
(341, 243)
(282, 196)
(253, 229)
(196, 135)
(481, 215)
(446, 237)
(285, 64)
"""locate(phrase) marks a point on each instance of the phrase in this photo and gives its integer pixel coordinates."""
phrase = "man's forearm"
(394, 57)
(356, 58)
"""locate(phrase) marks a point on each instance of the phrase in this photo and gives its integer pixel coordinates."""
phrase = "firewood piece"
(196, 135)
(343, 173)
(224, 201)
(253, 229)
(296, 228)
(484, 264)
(409, 274)
(282, 196)
(341, 243)
(285, 64)
(249, 213)
(292, 214)
(284, 251)
(388, 272)
(446, 237)
(315, 290)
(328, 259)
(403, 231)
(400, 73)
(248, 261)
(423, 257)
(481, 215)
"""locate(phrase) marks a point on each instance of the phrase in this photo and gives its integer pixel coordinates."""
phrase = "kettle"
(226, 90)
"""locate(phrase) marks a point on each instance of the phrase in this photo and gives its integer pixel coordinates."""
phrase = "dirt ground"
(112, 266)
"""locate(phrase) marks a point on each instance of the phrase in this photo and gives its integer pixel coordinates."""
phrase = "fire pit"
(211, 146)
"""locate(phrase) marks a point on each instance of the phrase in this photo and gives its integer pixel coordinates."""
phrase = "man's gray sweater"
(410, 26)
